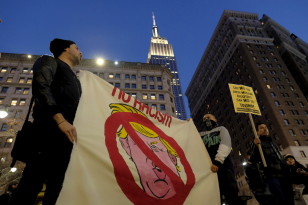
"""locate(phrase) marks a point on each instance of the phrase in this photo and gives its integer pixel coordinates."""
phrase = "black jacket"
(276, 165)
(55, 89)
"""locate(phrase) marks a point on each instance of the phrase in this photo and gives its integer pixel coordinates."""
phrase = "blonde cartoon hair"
(139, 128)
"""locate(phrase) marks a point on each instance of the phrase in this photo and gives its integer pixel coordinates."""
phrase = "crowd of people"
(57, 91)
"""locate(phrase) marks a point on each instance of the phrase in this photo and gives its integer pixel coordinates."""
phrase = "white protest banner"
(129, 153)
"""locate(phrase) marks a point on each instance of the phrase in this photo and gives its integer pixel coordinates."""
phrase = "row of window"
(18, 90)
(285, 95)
(13, 70)
(152, 96)
(134, 86)
(293, 112)
(297, 121)
(133, 77)
(21, 80)
(289, 103)
(280, 87)
(303, 132)
(15, 102)
(273, 72)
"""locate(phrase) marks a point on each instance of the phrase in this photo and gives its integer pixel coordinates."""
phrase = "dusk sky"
(121, 29)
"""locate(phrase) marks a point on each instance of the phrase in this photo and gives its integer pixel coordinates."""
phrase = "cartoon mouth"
(161, 196)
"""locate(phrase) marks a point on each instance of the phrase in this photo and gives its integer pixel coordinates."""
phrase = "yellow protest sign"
(244, 99)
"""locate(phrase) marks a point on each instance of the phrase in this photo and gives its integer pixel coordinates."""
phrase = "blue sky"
(121, 29)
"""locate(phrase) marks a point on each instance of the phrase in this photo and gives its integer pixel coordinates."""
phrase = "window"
(160, 87)
(144, 96)
(14, 102)
(110, 75)
(22, 102)
(9, 80)
(144, 86)
(277, 103)
(25, 70)
(286, 121)
(1, 101)
(117, 85)
(296, 142)
(161, 97)
(152, 87)
(4, 127)
(304, 132)
(4, 89)
(3, 70)
(134, 95)
(273, 94)
(158, 79)
(151, 78)
(21, 80)
(261, 71)
(153, 97)
(127, 85)
(154, 106)
(268, 86)
(18, 90)
(8, 142)
(29, 80)
(26, 91)
(127, 76)
(292, 133)
(301, 104)
(162, 107)
(143, 77)
(134, 85)
(13, 70)
(282, 112)
(302, 153)
(299, 121)
(117, 75)
(133, 77)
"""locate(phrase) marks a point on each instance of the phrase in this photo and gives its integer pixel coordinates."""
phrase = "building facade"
(261, 54)
(161, 52)
(149, 84)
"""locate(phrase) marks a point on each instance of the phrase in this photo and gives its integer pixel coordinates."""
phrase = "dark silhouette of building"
(161, 52)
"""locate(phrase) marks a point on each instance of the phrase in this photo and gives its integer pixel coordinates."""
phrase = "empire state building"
(161, 52)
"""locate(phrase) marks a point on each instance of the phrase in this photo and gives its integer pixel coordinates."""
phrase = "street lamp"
(100, 61)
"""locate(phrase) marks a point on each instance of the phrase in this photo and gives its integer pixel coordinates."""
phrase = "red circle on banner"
(122, 172)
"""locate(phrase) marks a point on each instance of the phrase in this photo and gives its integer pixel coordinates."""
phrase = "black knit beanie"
(57, 46)
(288, 156)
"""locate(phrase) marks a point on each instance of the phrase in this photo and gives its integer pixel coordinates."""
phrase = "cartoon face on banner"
(154, 154)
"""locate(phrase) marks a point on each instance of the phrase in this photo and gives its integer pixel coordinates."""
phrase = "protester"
(217, 141)
(299, 173)
(275, 177)
(56, 91)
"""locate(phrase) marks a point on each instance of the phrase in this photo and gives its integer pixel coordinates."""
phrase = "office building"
(261, 54)
(161, 52)
(149, 84)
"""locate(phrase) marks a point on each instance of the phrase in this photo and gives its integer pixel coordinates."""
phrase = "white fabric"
(92, 177)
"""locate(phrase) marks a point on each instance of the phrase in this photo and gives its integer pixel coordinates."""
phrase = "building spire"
(155, 28)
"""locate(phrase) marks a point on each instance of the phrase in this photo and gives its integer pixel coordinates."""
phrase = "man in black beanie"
(56, 91)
